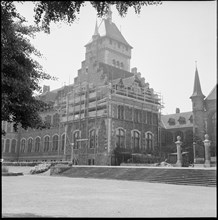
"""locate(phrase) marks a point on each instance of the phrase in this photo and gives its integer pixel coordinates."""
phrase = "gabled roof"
(197, 86)
(166, 118)
(109, 29)
(212, 94)
(113, 73)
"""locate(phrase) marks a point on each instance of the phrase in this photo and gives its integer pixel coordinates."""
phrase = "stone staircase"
(181, 176)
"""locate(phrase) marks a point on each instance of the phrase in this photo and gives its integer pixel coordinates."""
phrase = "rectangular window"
(120, 112)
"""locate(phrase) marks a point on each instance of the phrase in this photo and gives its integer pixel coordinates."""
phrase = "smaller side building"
(173, 125)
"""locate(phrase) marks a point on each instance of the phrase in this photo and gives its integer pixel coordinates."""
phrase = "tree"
(47, 11)
(19, 72)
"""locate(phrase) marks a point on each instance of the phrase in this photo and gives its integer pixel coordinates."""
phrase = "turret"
(198, 110)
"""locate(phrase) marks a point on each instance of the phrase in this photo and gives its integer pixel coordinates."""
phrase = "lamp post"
(207, 150)
(194, 151)
(179, 153)
(72, 145)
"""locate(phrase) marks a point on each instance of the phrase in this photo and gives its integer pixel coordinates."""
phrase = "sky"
(168, 40)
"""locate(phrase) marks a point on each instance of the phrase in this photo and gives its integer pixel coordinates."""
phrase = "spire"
(197, 86)
(96, 34)
(96, 28)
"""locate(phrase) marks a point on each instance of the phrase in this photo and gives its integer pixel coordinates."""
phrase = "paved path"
(35, 195)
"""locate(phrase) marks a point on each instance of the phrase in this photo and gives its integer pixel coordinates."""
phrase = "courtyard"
(49, 196)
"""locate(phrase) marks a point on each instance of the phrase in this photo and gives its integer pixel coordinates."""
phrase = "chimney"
(46, 89)
(177, 110)
(134, 70)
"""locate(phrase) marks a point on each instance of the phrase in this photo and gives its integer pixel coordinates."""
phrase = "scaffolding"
(87, 102)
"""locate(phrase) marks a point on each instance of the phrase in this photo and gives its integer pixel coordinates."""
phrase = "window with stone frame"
(92, 138)
(29, 145)
(149, 118)
(3, 145)
(62, 142)
(13, 146)
(48, 120)
(7, 146)
(182, 120)
(55, 143)
(136, 140)
(46, 144)
(149, 140)
(4, 125)
(155, 119)
(145, 117)
(76, 136)
(37, 144)
(56, 120)
(120, 114)
(120, 138)
(137, 115)
(8, 127)
(23, 145)
(171, 121)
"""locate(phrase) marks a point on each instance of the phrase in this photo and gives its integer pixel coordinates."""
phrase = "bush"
(4, 169)
(41, 168)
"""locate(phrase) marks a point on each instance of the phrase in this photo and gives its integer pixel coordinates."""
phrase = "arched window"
(23, 145)
(30, 145)
(169, 138)
(149, 140)
(92, 141)
(76, 136)
(13, 146)
(136, 140)
(62, 142)
(120, 138)
(7, 146)
(37, 144)
(55, 143)
(48, 120)
(46, 144)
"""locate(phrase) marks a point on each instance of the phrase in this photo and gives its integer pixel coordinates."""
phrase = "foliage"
(47, 11)
(19, 72)
(4, 169)
(41, 168)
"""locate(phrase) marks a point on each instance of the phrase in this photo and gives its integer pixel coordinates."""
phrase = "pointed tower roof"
(197, 86)
(96, 29)
(107, 28)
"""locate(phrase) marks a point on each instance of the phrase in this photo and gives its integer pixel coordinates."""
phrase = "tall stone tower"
(198, 112)
(107, 46)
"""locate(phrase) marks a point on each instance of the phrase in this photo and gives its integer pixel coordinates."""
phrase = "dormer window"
(171, 121)
(182, 120)
(118, 63)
